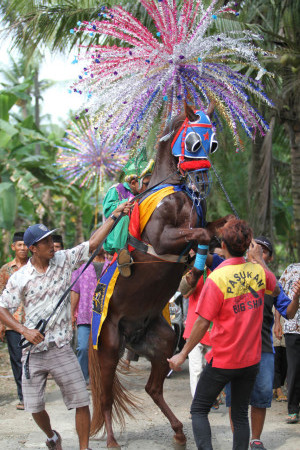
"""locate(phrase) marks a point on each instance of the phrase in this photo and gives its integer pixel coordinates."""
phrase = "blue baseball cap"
(36, 233)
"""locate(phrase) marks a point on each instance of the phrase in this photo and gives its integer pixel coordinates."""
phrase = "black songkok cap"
(18, 236)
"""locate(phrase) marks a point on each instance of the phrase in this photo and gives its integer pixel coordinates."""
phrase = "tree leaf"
(8, 205)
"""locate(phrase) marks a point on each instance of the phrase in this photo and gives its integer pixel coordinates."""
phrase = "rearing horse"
(134, 318)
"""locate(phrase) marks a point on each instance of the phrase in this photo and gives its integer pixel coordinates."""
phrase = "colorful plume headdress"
(87, 158)
(138, 165)
(129, 86)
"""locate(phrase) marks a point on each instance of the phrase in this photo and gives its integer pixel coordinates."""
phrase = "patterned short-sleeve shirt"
(287, 280)
(40, 292)
(6, 272)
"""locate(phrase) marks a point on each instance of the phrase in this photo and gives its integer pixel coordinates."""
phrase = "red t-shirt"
(192, 315)
(236, 313)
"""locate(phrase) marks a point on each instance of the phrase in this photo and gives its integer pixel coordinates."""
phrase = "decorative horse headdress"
(195, 140)
(151, 75)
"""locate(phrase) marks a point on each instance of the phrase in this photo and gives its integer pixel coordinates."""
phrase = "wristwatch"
(113, 217)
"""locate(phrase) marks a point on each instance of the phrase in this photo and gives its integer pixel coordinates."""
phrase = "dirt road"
(149, 431)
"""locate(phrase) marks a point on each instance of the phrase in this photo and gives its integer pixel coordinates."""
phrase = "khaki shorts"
(63, 365)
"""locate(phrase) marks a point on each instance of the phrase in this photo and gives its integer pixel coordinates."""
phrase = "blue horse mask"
(195, 139)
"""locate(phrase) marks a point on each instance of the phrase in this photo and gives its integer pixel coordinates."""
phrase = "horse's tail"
(123, 401)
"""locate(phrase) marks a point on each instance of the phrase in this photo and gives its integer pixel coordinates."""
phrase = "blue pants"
(15, 353)
(212, 381)
(83, 334)
(262, 392)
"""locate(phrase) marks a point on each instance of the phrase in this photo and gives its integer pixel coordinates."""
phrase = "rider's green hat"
(138, 166)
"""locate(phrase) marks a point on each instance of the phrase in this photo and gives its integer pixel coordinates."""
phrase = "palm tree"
(35, 24)
(279, 22)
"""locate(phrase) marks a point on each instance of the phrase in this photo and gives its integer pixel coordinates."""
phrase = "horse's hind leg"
(159, 345)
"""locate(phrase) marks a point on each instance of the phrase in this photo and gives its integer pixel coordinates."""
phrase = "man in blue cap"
(40, 284)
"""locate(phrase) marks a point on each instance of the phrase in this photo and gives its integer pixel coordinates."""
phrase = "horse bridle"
(168, 136)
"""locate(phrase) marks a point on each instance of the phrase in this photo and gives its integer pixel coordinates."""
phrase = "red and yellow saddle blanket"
(105, 287)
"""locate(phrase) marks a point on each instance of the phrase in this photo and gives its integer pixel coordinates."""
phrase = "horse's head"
(191, 140)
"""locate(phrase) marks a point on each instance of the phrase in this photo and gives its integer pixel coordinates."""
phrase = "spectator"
(291, 329)
(197, 355)
(262, 392)
(81, 308)
(58, 242)
(232, 298)
(12, 337)
(39, 284)
(280, 362)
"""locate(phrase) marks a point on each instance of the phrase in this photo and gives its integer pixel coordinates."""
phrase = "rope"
(225, 192)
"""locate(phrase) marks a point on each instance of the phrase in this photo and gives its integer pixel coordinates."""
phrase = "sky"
(57, 99)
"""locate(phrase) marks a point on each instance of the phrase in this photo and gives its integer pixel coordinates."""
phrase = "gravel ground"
(149, 430)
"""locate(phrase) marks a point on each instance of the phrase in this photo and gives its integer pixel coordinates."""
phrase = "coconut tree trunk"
(293, 128)
(37, 106)
(6, 241)
(79, 228)
(259, 192)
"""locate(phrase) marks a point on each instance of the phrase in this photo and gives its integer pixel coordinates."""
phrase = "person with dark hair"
(291, 328)
(13, 337)
(197, 355)
(262, 392)
(232, 298)
(58, 242)
(39, 284)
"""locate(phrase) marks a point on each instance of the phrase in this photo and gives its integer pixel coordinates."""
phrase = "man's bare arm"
(104, 230)
(199, 329)
(255, 255)
(33, 336)
(294, 305)
(74, 302)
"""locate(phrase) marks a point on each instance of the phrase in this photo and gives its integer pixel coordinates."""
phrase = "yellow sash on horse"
(148, 205)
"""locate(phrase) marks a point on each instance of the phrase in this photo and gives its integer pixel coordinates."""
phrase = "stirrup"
(124, 261)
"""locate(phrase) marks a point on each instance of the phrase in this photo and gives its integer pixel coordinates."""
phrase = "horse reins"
(42, 323)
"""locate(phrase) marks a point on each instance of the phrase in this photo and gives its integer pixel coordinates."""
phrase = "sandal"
(281, 398)
(292, 418)
(215, 405)
(20, 406)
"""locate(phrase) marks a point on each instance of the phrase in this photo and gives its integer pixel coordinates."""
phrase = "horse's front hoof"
(179, 441)
(184, 287)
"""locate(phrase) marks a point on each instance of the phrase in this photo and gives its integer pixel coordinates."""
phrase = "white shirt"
(40, 293)
(288, 279)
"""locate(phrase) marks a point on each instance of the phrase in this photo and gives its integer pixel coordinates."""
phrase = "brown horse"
(134, 319)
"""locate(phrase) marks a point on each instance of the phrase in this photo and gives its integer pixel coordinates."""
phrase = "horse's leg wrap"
(201, 257)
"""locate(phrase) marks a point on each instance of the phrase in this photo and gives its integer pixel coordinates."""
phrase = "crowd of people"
(228, 328)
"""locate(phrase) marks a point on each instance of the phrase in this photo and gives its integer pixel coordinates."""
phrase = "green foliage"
(34, 179)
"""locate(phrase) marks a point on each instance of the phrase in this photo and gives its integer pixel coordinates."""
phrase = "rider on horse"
(137, 176)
